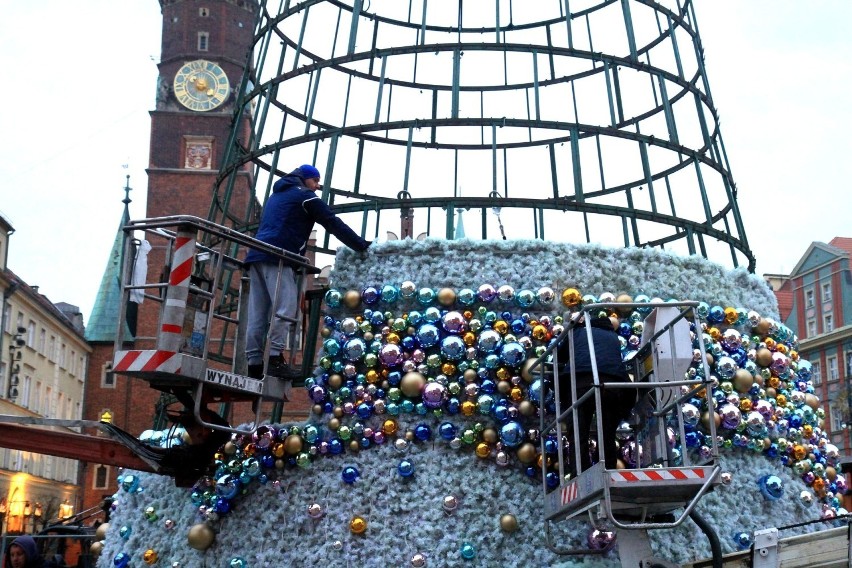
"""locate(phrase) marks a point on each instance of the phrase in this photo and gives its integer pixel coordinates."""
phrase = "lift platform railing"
(661, 482)
(197, 282)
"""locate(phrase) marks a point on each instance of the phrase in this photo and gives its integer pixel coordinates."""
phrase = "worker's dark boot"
(255, 371)
(278, 367)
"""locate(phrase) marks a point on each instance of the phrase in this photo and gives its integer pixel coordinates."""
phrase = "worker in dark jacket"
(616, 403)
(288, 218)
(23, 553)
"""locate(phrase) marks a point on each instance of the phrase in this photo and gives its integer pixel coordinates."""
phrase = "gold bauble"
(812, 400)
(150, 556)
(526, 408)
(771, 392)
(293, 444)
(200, 536)
(504, 387)
(335, 381)
(101, 531)
(96, 548)
(279, 464)
(526, 373)
(412, 383)
(705, 419)
(446, 297)
(830, 473)
(743, 380)
(508, 523)
(351, 299)
(469, 375)
(763, 327)
(571, 297)
(624, 299)
(326, 332)
(483, 450)
(333, 424)
(490, 435)
(318, 410)
(763, 357)
(358, 525)
(527, 453)
(354, 446)
(337, 412)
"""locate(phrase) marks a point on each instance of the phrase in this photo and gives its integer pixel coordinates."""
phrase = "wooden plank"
(70, 445)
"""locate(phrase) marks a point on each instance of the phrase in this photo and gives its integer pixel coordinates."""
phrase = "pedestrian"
(288, 218)
(616, 403)
(23, 553)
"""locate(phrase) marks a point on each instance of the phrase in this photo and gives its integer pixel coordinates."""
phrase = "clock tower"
(205, 48)
(204, 53)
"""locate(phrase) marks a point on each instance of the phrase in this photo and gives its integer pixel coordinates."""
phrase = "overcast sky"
(83, 74)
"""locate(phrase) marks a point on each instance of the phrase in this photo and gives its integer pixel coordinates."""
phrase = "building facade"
(44, 360)
(815, 300)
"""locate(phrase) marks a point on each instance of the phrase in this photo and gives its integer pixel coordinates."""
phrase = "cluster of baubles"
(401, 365)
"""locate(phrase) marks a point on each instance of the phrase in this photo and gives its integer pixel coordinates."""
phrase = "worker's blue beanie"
(306, 171)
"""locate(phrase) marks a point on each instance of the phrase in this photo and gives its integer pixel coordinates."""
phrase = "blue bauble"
(121, 560)
(350, 474)
(512, 434)
(405, 468)
(427, 335)
(447, 430)
(370, 295)
(422, 432)
(228, 486)
(513, 354)
(453, 348)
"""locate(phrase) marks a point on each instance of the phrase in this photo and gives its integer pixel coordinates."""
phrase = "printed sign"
(233, 381)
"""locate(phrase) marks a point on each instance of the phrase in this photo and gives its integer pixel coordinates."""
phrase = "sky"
(75, 123)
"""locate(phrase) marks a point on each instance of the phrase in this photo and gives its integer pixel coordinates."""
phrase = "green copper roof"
(103, 323)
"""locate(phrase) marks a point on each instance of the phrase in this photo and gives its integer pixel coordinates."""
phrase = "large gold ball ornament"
(412, 383)
(526, 373)
(200, 536)
(705, 419)
(351, 299)
(526, 408)
(812, 400)
(490, 435)
(624, 299)
(763, 357)
(335, 381)
(96, 548)
(743, 380)
(571, 297)
(527, 453)
(446, 297)
(763, 327)
(508, 523)
(293, 444)
(101, 531)
(358, 525)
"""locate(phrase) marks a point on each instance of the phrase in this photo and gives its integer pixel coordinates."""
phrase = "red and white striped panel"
(147, 360)
(633, 475)
(569, 493)
(174, 310)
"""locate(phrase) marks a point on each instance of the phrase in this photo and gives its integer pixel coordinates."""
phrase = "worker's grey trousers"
(263, 277)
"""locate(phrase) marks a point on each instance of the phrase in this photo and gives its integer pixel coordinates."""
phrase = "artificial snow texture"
(269, 525)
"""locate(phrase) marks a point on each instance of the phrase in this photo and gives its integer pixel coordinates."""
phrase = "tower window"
(107, 376)
(203, 12)
(203, 40)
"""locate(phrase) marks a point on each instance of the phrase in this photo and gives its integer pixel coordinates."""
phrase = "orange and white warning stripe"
(634, 475)
(174, 310)
(147, 360)
(569, 493)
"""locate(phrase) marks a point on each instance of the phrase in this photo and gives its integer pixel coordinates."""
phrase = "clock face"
(201, 85)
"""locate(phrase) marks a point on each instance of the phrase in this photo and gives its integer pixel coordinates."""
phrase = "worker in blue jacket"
(616, 403)
(288, 218)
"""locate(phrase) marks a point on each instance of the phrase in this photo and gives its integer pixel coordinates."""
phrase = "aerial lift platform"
(666, 485)
(197, 354)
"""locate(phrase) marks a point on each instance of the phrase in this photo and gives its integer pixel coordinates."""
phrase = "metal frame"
(639, 161)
